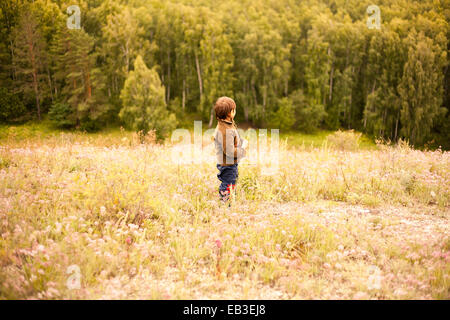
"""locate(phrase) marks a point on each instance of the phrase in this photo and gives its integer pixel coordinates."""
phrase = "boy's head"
(225, 107)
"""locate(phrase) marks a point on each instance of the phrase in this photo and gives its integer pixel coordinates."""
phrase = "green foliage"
(421, 89)
(144, 107)
(62, 115)
(11, 106)
(309, 115)
(382, 109)
(82, 82)
(29, 59)
(284, 117)
(390, 83)
(89, 125)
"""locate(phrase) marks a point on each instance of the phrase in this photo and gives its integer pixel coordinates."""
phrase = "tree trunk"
(384, 123)
(211, 117)
(331, 83)
(199, 75)
(396, 126)
(183, 100)
(13, 69)
(350, 102)
(245, 105)
(264, 97)
(168, 76)
(254, 93)
(350, 111)
(37, 102)
(50, 83)
(72, 65)
(88, 86)
(331, 78)
(365, 113)
(127, 56)
(34, 72)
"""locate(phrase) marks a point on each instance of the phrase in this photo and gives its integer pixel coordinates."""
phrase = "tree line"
(297, 65)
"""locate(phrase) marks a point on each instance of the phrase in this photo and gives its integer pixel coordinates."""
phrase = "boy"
(230, 148)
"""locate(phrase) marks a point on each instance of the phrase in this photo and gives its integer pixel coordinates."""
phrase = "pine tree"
(29, 57)
(144, 106)
(9, 14)
(82, 83)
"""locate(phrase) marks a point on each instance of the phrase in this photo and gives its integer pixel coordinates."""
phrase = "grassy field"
(338, 220)
(34, 131)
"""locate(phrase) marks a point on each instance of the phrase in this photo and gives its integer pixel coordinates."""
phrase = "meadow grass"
(370, 223)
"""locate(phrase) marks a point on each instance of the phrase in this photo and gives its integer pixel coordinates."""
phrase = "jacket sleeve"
(232, 146)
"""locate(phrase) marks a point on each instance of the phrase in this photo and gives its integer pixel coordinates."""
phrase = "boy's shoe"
(228, 195)
(232, 191)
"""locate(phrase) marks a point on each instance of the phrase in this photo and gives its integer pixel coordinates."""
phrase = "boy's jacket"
(228, 143)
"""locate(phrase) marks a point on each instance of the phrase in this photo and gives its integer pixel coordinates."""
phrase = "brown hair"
(223, 106)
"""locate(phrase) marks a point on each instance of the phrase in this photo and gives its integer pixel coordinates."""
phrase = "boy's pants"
(228, 176)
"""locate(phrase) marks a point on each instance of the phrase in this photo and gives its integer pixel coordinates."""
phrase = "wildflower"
(128, 240)
(361, 296)
(374, 282)
(133, 226)
(218, 243)
(399, 292)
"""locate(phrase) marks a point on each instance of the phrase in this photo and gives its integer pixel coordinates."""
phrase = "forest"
(292, 65)
(98, 200)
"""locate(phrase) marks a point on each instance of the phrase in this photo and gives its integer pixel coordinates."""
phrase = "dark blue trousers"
(228, 176)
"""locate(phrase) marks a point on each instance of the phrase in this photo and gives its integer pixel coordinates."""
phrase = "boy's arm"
(230, 146)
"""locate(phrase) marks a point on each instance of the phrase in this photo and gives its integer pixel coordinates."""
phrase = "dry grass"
(331, 224)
